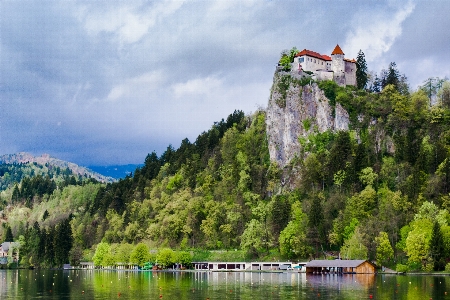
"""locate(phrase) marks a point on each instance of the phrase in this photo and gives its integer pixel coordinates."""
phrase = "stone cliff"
(296, 110)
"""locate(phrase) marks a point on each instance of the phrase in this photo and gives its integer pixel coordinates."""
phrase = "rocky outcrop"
(295, 111)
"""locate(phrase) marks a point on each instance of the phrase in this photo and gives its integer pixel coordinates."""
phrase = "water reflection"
(96, 284)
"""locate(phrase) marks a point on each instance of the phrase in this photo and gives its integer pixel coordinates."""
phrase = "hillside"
(45, 160)
(325, 169)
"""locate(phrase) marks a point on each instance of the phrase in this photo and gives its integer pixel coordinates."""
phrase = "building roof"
(313, 54)
(5, 246)
(350, 60)
(337, 50)
(337, 263)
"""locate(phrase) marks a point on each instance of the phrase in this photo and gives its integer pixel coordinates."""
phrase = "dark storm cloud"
(106, 82)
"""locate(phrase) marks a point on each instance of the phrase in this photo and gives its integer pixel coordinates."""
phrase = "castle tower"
(338, 65)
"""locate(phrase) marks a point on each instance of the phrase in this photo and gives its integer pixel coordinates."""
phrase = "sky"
(107, 82)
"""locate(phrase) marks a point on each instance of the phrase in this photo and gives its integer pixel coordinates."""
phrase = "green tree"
(384, 248)
(75, 254)
(63, 241)
(8, 235)
(122, 252)
(101, 251)
(184, 258)
(287, 57)
(432, 86)
(253, 239)
(140, 254)
(361, 70)
(354, 247)
(392, 76)
(292, 239)
(166, 257)
(443, 94)
(418, 241)
(367, 176)
(316, 230)
(437, 248)
(349, 230)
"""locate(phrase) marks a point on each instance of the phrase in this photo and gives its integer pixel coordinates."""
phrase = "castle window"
(314, 60)
(302, 59)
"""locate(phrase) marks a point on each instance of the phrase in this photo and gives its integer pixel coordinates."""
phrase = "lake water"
(96, 284)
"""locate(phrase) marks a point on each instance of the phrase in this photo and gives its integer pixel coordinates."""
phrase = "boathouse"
(242, 266)
(341, 266)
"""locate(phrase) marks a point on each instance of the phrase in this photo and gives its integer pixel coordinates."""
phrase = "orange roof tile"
(313, 54)
(337, 50)
(350, 60)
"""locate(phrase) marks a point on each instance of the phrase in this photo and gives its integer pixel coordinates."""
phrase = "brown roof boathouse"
(341, 266)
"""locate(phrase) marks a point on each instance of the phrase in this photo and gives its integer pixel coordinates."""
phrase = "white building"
(324, 67)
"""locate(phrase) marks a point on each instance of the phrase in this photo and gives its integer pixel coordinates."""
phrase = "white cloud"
(137, 87)
(128, 23)
(376, 31)
(199, 86)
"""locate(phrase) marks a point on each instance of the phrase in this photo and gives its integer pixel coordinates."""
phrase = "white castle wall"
(350, 73)
(312, 64)
(338, 69)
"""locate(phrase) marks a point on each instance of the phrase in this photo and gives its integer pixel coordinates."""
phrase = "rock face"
(296, 111)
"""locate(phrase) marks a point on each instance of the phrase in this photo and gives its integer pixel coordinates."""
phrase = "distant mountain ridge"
(24, 157)
(116, 171)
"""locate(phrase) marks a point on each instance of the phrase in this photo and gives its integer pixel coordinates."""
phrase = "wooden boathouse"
(341, 266)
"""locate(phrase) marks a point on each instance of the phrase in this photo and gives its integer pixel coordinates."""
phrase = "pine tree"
(361, 70)
(316, 232)
(9, 236)
(392, 76)
(437, 247)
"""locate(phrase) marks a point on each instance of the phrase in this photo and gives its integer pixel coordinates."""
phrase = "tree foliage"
(385, 181)
(361, 70)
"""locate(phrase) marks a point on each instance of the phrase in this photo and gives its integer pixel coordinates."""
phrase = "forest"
(378, 191)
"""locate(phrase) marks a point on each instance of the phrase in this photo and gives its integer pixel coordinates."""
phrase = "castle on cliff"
(341, 70)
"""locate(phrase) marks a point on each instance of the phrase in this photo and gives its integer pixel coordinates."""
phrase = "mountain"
(116, 171)
(47, 160)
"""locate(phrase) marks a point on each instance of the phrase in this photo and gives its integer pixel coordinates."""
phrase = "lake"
(103, 284)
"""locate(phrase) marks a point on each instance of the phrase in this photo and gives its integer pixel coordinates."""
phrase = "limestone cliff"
(294, 111)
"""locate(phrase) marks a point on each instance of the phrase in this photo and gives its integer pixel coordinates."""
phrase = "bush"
(447, 267)
(330, 89)
(282, 87)
(402, 268)
(304, 81)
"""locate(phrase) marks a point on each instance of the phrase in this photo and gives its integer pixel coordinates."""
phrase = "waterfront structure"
(244, 266)
(341, 266)
(5, 252)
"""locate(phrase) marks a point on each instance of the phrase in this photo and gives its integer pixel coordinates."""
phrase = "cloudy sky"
(106, 82)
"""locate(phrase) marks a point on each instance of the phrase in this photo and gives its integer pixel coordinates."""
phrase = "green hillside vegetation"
(29, 182)
(379, 191)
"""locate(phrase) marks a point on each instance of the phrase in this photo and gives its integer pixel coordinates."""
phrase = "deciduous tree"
(384, 249)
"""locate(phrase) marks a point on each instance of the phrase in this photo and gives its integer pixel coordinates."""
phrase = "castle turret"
(338, 65)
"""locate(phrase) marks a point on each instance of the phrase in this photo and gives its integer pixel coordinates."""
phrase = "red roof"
(337, 50)
(313, 54)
